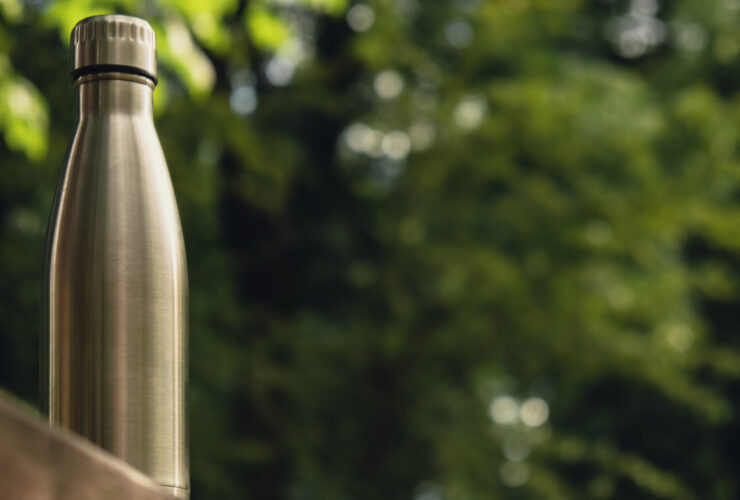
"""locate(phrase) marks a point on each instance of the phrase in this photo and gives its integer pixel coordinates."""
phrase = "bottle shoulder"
(115, 173)
(115, 141)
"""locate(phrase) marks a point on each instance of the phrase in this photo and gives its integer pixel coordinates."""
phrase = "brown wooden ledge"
(41, 463)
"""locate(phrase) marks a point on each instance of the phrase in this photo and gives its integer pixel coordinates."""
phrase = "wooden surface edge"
(38, 462)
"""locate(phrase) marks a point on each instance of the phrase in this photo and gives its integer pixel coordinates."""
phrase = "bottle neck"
(114, 93)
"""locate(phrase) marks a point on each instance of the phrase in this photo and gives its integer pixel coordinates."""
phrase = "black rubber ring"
(111, 68)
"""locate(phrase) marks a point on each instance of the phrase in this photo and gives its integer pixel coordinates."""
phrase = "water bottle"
(114, 345)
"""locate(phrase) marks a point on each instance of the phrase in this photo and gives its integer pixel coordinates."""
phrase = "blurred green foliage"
(459, 249)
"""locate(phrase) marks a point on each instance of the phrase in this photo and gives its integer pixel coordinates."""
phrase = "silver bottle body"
(116, 291)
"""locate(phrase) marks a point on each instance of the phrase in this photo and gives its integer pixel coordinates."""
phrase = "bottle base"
(182, 493)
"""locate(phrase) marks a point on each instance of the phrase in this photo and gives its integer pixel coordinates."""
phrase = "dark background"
(449, 249)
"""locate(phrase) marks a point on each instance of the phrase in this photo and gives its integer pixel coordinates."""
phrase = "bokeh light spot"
(428, 491)
(396, 145)
(280, 70)
(680, 337)
(504, 410)
(422, 135)
(243, 100)
(515, 448)
(534, 412)
(388, 84)
(355, 135)
(644, 7)
(459, 33)
(361, 138)
(361, 17)
(514, 474)
(689, 37)
(470, 112)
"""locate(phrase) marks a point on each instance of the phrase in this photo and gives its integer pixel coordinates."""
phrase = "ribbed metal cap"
(113, 43)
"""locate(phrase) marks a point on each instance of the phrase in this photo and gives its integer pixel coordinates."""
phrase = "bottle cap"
(113, 43)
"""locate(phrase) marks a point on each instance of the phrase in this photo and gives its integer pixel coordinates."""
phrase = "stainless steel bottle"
(116, 290)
